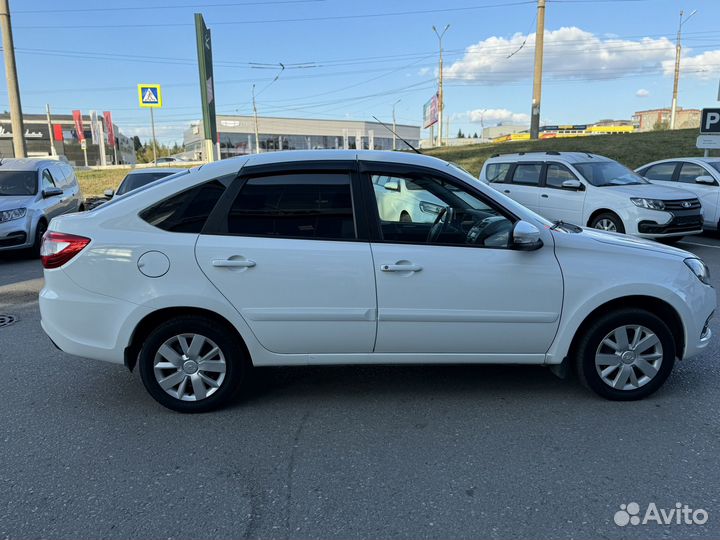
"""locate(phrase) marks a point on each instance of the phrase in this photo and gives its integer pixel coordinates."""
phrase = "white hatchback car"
(594, 191)
(282, 259)
(701, 176)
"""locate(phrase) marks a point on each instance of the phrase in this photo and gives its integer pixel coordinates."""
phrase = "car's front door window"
(434, 211)
(47, 180)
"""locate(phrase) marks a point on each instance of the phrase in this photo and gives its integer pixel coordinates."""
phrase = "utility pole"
(394, 128)
(152, 125)
(678, 50)
(16, 119)
(537, 79)
(441, 96)
(53, 152)
(257, 135)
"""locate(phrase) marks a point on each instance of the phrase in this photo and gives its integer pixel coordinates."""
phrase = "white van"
(594, 191)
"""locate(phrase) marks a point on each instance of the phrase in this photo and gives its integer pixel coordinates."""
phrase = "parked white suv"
(700, 176)
(594, 191)
(282, 259)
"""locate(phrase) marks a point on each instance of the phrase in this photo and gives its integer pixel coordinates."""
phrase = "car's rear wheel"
(190, 364)
(405, 217)
(608, 222)
(625, 355)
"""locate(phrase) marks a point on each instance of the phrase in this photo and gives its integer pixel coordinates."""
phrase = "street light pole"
(537, 79)
(394, 128)
(257, 135)
(16, 119)
(678, 50)
(441, 96)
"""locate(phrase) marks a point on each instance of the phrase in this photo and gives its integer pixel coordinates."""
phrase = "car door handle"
(506, 191)
(233, 263)
(544, 196)
(400, 268)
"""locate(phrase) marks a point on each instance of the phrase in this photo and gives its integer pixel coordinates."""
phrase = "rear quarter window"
(187, 211)
(497, 172)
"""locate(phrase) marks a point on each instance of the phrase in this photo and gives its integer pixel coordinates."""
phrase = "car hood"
(15, 201)
(651, 191)
(633, 242)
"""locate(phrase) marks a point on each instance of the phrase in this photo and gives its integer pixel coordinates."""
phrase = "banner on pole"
(94, 132)
(107, 115)
(79, 128)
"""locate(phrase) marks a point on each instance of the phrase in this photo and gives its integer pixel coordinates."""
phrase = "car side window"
(527, 174)
(315, 206)
(438, 212)
(47, 180)
(556, 174)
(690, 171)
(497, 172)
(187, 211)
(69, 174)
(59, 175)
(662, 172)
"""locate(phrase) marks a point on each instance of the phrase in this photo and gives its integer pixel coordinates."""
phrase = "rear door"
(289, 251)
(523, 184)
(53, 205)
(557, 202)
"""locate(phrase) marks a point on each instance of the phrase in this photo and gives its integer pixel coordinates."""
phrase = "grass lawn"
(631, 149)
(94, 182)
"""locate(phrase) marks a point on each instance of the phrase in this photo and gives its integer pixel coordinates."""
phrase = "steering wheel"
(444, 218)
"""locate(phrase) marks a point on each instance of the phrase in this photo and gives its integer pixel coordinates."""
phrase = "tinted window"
(496, 172)
(438, 212)
(556, 174)
(608, 173)
(662, 172)
(47, 180)
(18, 183)
(313, 205)
(136, 180)
(527, 173)
(689, 172)
(187, 211)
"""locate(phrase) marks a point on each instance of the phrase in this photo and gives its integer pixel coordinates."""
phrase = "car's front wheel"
(608, 222)
(625, 355)
(191, 364)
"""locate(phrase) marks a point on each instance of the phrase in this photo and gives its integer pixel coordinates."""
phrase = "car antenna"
(398, 136)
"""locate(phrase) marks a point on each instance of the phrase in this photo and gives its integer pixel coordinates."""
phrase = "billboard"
(430, 112)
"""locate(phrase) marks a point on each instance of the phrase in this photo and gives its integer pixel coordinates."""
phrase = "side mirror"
(706, 179)
(526, 236)
(572, 184)
(109, 193)
(51, 192)
(392, 185)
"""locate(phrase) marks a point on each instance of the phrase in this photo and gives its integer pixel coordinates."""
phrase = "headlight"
(650, 204)
(15, 213)
(700, 269)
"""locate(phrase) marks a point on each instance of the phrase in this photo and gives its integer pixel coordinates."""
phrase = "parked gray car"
(32, 192)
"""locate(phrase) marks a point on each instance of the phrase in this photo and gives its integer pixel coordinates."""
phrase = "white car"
(281, 259)
(700, 176)
(594, 191)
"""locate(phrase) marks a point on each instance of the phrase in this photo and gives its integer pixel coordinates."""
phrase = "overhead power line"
(175, 6)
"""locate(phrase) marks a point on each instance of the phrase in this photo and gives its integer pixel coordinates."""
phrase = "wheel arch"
(599, 211)
(152, 320)
(654, 305)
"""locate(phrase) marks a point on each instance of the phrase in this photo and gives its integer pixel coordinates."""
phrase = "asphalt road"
(345, 452)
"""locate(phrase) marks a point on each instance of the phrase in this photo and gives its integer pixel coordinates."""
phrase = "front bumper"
(681, 223)
(16, 234)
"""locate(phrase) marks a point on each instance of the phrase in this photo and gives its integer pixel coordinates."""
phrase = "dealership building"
(236, 135)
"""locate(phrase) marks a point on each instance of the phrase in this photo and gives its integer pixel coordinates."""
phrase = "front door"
(450, 285)
(288, 256)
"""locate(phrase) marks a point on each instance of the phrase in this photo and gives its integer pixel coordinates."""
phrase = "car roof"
(568, 157)
(227, 166)
(25, 164)
(169, 170)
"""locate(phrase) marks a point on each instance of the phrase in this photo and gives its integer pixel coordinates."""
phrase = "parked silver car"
(32, 192)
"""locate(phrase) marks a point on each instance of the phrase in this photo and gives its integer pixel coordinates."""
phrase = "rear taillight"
(58, 248)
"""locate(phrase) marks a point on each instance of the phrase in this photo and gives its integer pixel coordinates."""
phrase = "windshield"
(609, 173)
(136, 180)
(18, 183)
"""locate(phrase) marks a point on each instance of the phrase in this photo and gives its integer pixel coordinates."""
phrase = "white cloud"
(497, 116)
(642, 93)
(703, 66)
(570, 53)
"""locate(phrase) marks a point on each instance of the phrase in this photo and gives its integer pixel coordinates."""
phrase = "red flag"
(107, 115)
(57, 131)
(77, 117)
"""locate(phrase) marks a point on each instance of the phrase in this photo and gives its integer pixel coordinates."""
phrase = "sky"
(354, 60)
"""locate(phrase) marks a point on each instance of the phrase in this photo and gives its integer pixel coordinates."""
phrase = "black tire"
(81, 208)
(405, 217)
(596, 332)
(37, 242)
(236, 363)
(614, 218)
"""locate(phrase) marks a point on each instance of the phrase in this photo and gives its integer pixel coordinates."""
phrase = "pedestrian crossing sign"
(149, 95)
